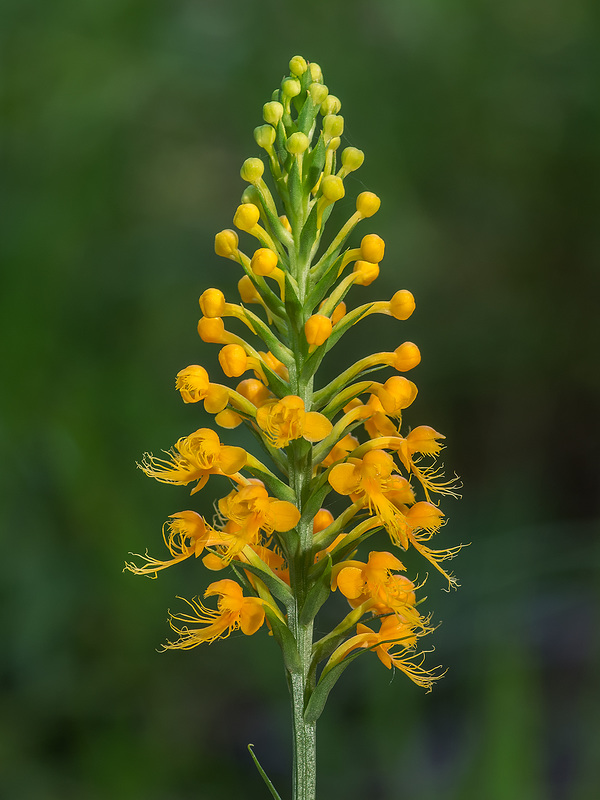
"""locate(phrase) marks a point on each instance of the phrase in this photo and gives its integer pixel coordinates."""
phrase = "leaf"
(295, 189)
(274, 584)
(316, 704)
(313, 164)
(317, 595)
(285, 639)
(308, 236)
(263, 774)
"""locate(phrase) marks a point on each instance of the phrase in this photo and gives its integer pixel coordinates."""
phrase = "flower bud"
(366, 272)
(264, 136)
(290, 87)
(318, 92)
(226, 243)
(233, 360)
(297, 143)
(334, 143)
(254, 391)
(331, 105)
(402, 304)
(317, 329)
(333, 125)
(212, 303)
(316, 73)
(298, 66)
(332, 188)
(352, 158)
(338, 312)
(407, 357)
(252, 170)
(396, 394)
(251, 195)
(272, 112)
(263, 261)
(247, 290)
(285, 222)
(372, 248)
(367, 204)
(246, 216)
(211, 329)
(322, 519)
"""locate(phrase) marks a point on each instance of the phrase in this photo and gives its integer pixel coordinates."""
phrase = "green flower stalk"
(283, 550)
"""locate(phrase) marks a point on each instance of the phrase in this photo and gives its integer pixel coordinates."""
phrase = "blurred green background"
(125, 123)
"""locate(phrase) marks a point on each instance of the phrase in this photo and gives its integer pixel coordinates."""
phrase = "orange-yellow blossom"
(233, 611)
(194, 458)
(194, 385)
(186, 535)
(286, 419)
(254, 510)
(391, 642)
(370, 480)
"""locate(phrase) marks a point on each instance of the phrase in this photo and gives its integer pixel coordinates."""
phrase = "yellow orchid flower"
(194, 458)
(234, 611)
(286, 419)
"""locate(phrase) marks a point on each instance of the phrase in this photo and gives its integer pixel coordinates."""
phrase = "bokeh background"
(125, 124)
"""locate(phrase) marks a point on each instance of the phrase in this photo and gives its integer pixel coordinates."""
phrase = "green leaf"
(285, 639)
(313, 164)
(274, 584)
(308, 237)
(317, 595)
(263, 774)
(318, 698)
(295, 190)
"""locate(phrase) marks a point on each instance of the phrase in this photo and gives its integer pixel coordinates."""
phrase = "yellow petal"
(216, 398)
(232, 459)
(316, 426)
(283, 515)
(252, 616)
(350, 582)
(344, 478)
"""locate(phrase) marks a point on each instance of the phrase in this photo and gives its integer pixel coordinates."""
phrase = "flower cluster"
(338, 446)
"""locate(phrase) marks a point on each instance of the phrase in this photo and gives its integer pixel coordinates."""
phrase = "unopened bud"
(331, 105)
(333, 125)
(226, 243)
(254, 391)
(247, 290)
(290, 87)
(318, 92)
(322, 519)
(332, 188)
(252, 170)
(297, 143)
(233, 360)
(246, 216)
(211, 329)
(366, 272)
(367, 204)
(338, 312)
(316, 73)
(212, 303)
(264, 136)
(372, 248)
(263, 261)
(402, 304)
(407, 356)
(298, 66)
(317, 329)
(272, 112)
(352, 158)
